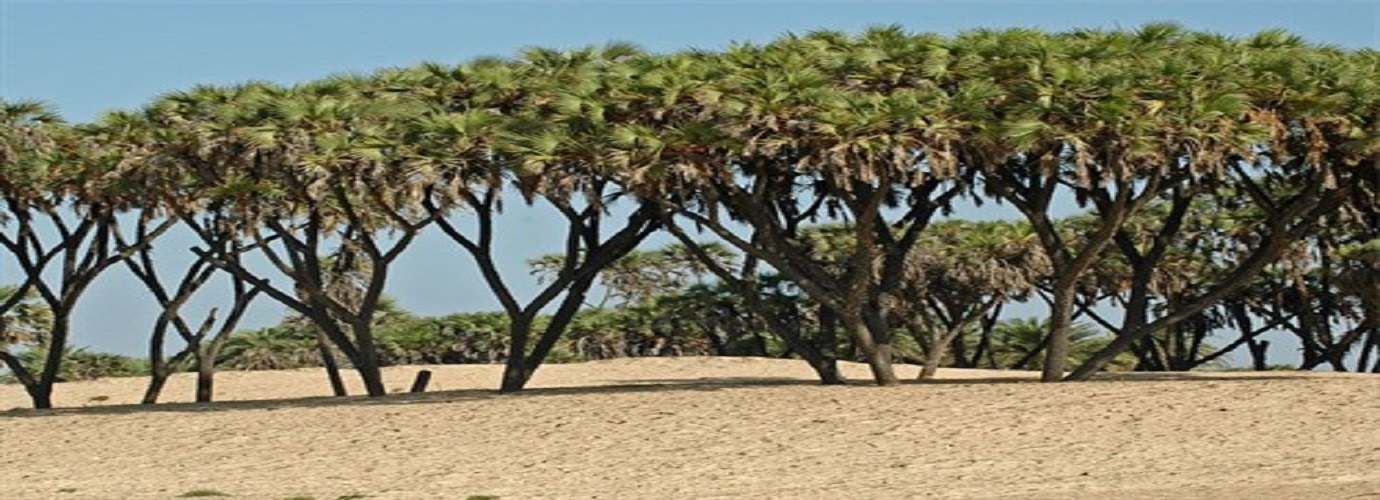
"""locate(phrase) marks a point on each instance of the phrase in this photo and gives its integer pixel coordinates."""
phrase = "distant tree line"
(1227, 184)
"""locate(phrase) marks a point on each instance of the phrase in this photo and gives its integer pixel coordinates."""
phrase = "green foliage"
(274, 348)
(1014, 340)
(197, 493)
(456, 338)
(812, 123)
(26, 322)
(83, 364)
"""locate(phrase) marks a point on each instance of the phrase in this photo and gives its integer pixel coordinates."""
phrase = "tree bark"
(1286, 225)
(1259, 349)
(42, 394)
(1061, 321)
(877, 355)
(515, 367)
(158, 377)
(205, 378)
(332, 368)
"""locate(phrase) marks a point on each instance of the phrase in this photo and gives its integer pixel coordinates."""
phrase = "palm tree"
(1322, 162)
(273, 348)
(961, 274)
(301, 169)
(1018, 344)
(539, 126)
(820, 126)
(24, 323)
(62, 190)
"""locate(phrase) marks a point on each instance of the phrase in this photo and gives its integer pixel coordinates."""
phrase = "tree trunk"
(877, 356)
(1061, 320)
(827, 344)
(937, 351)
(984, 348)
(368, 363)
(570, 306)
(515, 367)
(959, 348)
(20, 371)
(158, 377)
(158, 366)
(1259, 349)
(158, 380)
(42, 393)
(328, 362)
(932, 359)
(372, 377)
(206, 363)
(205, 379)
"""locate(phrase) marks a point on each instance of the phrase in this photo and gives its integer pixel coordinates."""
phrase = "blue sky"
(88, 57)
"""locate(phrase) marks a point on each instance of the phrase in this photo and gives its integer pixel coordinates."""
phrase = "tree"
(1019, 343)
(168, 199)
(798, 130)
(25, 322)
(1296, 159)
(961, 274)
(62, 192)
(305, 171)
(548, 148)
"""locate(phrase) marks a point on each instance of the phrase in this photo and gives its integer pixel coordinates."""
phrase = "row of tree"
(1203, 162)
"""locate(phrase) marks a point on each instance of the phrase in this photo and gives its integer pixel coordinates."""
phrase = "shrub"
(81, 364)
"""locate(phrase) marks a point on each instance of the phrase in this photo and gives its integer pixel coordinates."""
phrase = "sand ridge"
(706, 428)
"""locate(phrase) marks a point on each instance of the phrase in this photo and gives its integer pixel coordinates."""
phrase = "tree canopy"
(880, 133)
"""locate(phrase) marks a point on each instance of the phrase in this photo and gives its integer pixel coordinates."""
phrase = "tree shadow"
(437, 397)
(1034, 378)
(630, 387)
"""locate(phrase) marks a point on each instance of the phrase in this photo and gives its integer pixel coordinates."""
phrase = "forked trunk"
(877, 356)
(937, 352)
(158, 378)
(368, 363)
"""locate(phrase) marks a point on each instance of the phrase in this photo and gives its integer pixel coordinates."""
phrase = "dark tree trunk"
(368, 363)
(1363, 360)
(205, 380)
(158, 379)
(515, 367)
(1259, 350)
(827, 343)
(332, 368)
(570, 305)
(158, 371)
(42, 393)
(959, 348)
(989, 326)
(877, 355)
(17, 367)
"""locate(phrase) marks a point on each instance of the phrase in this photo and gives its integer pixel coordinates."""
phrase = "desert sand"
(705, 428)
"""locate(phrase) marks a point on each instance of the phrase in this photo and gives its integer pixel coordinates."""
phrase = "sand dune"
(705, 428)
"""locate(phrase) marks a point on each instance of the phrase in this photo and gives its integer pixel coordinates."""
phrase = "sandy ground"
(706, 428)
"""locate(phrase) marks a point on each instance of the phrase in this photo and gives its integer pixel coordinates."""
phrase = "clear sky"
(88, 57)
